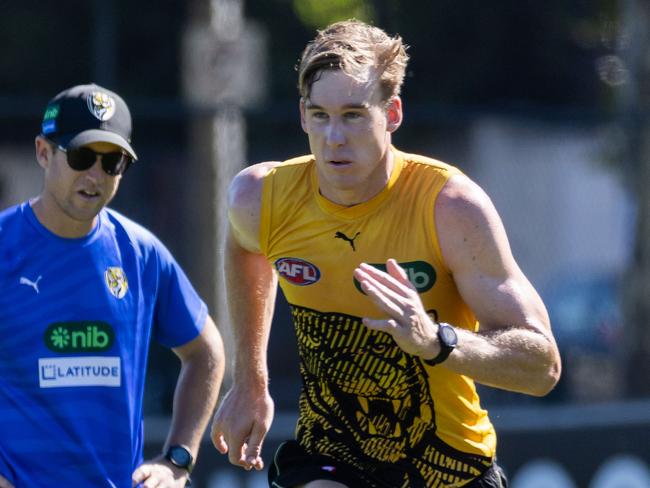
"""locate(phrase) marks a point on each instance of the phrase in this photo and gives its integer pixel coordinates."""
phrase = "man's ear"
(302, 114)
(44, 151)
(394, 114)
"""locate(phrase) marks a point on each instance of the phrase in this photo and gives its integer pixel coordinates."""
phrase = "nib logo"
(79, 337)
(420, 273)
(60, 338)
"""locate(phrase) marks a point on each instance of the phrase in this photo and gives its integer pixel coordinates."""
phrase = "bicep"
(502, 300)
(475, 246)
(244, 266)
(251, 284)
(250, 278)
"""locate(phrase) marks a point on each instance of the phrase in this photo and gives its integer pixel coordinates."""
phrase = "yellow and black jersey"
(364, 400)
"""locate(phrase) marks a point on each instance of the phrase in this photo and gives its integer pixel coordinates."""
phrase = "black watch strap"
(181, 457)
(448, 340)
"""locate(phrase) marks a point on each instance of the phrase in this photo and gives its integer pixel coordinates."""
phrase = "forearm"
(251, 292)
(515, 359)
(195, 396)
(246, 412)
(250, 333)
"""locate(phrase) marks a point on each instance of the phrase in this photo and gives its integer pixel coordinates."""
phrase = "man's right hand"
(4, 483)
(240, 424)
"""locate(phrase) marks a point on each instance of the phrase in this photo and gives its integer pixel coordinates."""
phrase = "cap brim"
(98, 135)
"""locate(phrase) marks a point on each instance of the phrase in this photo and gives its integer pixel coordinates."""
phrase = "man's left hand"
(160, 473)
(409, 324)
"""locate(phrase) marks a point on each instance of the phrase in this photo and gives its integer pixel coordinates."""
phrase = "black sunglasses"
(83, 158)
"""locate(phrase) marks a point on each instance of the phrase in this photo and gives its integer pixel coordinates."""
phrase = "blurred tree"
(316, 13)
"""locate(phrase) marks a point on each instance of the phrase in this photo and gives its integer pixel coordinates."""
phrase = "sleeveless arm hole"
(266, 202)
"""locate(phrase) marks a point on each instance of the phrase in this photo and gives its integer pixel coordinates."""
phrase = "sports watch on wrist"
(448, 340)
(181, 457)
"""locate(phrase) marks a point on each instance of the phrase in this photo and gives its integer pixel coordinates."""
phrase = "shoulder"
(246, 187)
(420, 166)
(245, 201)
(123, 223)
(9, 215)
(12, 233)
(13, 228)
(426, 163)
(468, 224)
(424, 174)
(462, 197)
(246, 192)
(129, 232)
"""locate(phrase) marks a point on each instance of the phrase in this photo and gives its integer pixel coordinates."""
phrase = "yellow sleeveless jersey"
(364, 400)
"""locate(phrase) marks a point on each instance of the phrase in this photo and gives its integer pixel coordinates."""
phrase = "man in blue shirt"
(84, 290)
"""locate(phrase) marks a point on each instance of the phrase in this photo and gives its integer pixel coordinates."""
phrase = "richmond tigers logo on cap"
(101, 105)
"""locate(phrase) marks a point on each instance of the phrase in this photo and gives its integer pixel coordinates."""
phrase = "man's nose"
(335, 134)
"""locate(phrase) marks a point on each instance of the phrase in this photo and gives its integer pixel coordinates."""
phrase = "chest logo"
(341, 235)
(420, 273)
(116, 281)
(33, 284)
(95, 336)
(297, 271)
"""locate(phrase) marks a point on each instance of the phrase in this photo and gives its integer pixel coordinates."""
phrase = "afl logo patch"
(297, 271)
(116, 281)
(101, 105)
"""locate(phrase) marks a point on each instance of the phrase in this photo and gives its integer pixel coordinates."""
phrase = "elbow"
(548, 378)
(210, 356)
(548, 369)
(218, 356)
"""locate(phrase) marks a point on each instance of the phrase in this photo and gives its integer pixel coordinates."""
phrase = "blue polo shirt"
(76, 319)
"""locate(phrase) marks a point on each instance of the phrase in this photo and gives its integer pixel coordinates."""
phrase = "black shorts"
(292, 466)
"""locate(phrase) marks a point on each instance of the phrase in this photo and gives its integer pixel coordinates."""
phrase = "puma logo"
(341, 235)
(28, 282)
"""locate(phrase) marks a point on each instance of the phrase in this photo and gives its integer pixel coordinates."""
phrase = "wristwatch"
(448, 340)
(181, 457)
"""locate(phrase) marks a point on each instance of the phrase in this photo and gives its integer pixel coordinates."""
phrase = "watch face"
(180, 456)
(448, 335)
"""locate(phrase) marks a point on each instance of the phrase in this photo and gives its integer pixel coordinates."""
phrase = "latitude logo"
(342, 236)
(83, 336)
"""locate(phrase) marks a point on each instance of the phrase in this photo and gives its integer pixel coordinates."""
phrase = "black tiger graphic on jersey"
(367, 402)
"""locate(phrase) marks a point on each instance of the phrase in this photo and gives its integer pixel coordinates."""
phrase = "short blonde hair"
(360, 50)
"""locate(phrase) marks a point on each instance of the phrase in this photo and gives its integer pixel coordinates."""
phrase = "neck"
(58, 223)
